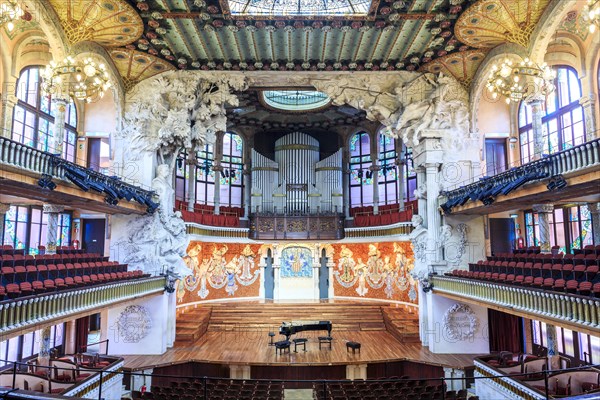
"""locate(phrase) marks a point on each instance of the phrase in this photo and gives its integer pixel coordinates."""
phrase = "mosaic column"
(44, 354)
(346, 182)
(191, 170)
(595, 213)
(553, 359)
(59, 125)
(536, 116)
(588, 103)
(434, 219)
(374, 168)
(53, 211)
(247, 184)
(3, 210)
(544, 225)
(218, 169)
(8, 104)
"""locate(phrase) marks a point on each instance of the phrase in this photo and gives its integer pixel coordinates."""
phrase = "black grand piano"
(293, 327)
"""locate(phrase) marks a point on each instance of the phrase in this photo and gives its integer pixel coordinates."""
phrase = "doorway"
(324, 277)
(269, 276)
(495, 156)
(93, 233)
(503, 239)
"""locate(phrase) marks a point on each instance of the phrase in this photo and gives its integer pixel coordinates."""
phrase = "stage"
(236, 333)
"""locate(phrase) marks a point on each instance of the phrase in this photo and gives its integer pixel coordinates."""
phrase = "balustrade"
(23, 312)
(579, 311)
(574, 159)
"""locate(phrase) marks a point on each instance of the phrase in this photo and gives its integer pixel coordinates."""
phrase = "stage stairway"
(402, 322)
(268, 317)
(192, 323)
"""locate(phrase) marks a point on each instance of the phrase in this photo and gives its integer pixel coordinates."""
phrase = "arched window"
(563, 123)
(231, 184)
(388, 174)
(361, 179)
(34, 113)
(205, 176)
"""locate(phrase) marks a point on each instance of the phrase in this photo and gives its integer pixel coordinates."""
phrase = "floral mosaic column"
(595, 213)
(3, 210)
(544, 225)
(536, 116)
(53, 211)
(44, 354)
(553, 358)
(59, 125)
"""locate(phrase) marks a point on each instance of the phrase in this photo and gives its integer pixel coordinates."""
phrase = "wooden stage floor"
(251, 348)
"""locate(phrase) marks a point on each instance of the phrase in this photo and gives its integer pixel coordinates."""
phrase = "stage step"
(191, 324)
(402, 322)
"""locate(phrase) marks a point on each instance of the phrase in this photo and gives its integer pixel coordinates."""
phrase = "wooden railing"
(576, 158)
(20, 313)
(580, 312)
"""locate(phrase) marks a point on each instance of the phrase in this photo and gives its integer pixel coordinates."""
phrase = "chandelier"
(517, 81)
(84, 80)
(9, 12)
(591, 12)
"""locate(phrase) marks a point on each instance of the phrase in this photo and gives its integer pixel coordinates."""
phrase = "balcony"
(19, 315)
(579, 313)
(577, 168)
(24, 169)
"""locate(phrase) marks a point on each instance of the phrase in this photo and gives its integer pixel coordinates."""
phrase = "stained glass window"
(388, 172)
(27, 228)
(205, 176)
(295, 100)
(563, 124)
(34, 113)
(299, 7)
(361, 177)
(231, 180)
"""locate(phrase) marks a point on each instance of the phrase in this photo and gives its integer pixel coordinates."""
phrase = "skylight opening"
(299, 7)
(295, 100)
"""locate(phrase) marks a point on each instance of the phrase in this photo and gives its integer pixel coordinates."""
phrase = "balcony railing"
(400, 228)
(23, 312)
(555, 165)
(297, 227)
(580, 312)
(193, 228)
(50, 166)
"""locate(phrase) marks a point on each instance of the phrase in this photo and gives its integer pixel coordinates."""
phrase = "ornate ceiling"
(146, 37)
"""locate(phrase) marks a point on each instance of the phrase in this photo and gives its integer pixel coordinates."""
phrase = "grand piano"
(293, 327)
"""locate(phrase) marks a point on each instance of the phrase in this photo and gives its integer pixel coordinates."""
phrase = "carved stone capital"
(543, 208)
(374, 168)
(4, 208)
(535, 99)
(587, 101)
(53, 208)
(217, 168)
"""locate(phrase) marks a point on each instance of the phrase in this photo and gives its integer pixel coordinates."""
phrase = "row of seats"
(9, 250)
(583, 288)
(580, 272)
(210, 209)
(29, 273)
(15, 290)
(543, 258)
(44, 259)
(383, 209)
(383, 219)
(371, 390)
(223, 389)
(209, 219)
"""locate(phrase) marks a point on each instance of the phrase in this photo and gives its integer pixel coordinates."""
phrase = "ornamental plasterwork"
(134, 324)
(462, 66)
(489, 23)
(460, 322)
(107, 22)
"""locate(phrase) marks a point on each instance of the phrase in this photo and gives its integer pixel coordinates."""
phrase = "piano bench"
(281, 346)
(353, 345)
(298, 341)
(325, 340)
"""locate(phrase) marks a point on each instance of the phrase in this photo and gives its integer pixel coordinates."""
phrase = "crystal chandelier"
(85, 80)
(9, 12)
(591, 12)
(517, 81)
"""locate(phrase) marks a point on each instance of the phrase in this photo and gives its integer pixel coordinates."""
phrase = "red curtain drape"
(506, 332)
(82, 327)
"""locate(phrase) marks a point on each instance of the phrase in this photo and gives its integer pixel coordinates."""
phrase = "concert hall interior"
(316, 199)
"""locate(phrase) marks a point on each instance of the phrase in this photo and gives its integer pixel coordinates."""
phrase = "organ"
(296, 182)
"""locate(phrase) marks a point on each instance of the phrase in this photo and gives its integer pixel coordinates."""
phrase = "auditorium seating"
(205, 214)
(25, 275)
(388, 214)
(392, 388)
(224, 389)
(576, 274)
